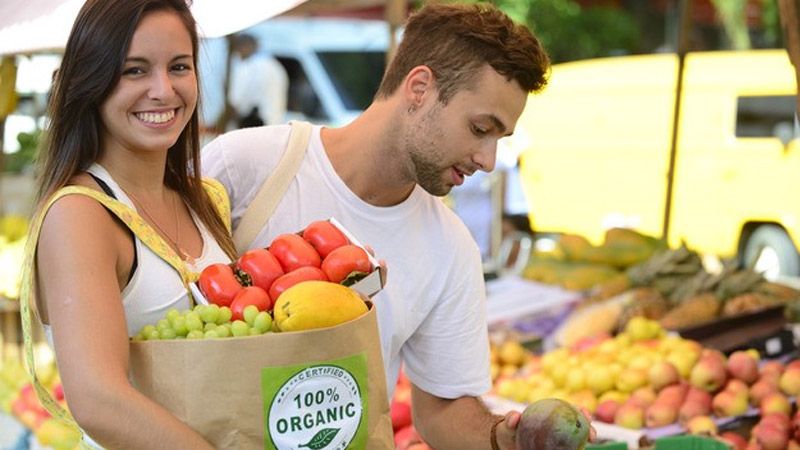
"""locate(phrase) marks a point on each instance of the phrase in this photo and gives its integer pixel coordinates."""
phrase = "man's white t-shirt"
(432, 311)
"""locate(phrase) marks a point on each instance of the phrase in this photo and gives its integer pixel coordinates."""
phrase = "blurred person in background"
(458, 83)
(123, 123)
(259, 85)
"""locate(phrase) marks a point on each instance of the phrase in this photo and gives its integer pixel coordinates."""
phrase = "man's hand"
(507, 430)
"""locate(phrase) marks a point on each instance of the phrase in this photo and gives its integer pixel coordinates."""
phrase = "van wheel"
(770, 251)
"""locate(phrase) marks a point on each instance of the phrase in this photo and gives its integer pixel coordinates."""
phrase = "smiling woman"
(123, 136)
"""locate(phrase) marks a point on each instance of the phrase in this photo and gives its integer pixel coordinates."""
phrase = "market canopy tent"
(29, 26)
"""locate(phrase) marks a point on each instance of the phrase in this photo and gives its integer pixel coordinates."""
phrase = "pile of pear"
(643, 377)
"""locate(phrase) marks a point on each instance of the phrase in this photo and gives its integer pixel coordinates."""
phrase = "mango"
(317, 304)
(552, 424)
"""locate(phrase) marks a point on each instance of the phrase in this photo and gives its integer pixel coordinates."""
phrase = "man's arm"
(463, 423)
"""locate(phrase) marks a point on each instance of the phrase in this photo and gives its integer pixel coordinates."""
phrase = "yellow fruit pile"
(643, 377)
(507, 358)
(613, 368)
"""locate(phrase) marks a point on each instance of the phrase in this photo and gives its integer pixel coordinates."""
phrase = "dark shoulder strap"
(104, 186)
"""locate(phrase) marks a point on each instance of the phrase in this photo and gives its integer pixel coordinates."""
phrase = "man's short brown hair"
(455, 41)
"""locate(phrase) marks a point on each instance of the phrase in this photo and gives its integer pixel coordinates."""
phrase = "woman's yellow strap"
(219, 197)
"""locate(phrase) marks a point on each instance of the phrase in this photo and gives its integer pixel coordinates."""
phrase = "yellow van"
(600, 142)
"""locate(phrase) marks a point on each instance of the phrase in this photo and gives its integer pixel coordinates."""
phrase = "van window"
(301, 97)
(356, 75)
(766, 116)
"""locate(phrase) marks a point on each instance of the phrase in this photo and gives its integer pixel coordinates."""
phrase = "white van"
(334, 65)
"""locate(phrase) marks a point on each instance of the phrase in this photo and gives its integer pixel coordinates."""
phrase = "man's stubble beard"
(422, 143)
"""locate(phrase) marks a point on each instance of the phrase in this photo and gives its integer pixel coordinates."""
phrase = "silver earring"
(411, 109)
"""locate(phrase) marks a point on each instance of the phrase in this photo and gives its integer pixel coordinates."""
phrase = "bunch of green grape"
(206, 322)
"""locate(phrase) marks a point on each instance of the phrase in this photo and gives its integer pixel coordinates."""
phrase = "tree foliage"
(569, 31)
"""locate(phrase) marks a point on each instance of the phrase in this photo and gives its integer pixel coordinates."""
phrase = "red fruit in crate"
(775, 402)
(402, 393)
(735, 440)
(743, 366)
(262, 267)
(58, 392)
(251, 295)
(769, 437)
(218, 284)
(401, 414)
(606, 410)
(294, 252)
(419, 446)
(345, 260)
(296, 276)
(779, 420)
(324, 237)
(796, 425)
(772, 367)
(762, 388)
(406, 437)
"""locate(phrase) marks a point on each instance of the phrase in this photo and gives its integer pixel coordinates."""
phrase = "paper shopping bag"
(314, 389)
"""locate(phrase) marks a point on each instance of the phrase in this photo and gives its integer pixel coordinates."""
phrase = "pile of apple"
(645, 378)
(321, 252)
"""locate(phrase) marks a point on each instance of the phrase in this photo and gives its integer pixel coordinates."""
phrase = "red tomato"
(294, 252)
(219, 284)
(262, 267)
(324, 236)
(345, 260)
(290, 279)
(251, 295)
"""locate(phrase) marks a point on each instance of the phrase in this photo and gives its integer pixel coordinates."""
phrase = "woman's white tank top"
(155, 286)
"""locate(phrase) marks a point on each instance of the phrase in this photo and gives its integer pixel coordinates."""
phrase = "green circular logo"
(317, 408)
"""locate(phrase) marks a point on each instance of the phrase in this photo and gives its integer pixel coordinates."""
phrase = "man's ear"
(418, 86)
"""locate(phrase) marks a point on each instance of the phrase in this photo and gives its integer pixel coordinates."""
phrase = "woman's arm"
(79, 251)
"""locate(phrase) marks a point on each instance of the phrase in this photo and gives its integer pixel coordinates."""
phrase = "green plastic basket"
(689, 443)
(608, 446)
(669, 443)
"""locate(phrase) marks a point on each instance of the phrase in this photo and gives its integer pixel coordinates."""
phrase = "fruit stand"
(661, 350)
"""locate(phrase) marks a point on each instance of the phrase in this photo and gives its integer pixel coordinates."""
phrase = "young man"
(458, 83)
